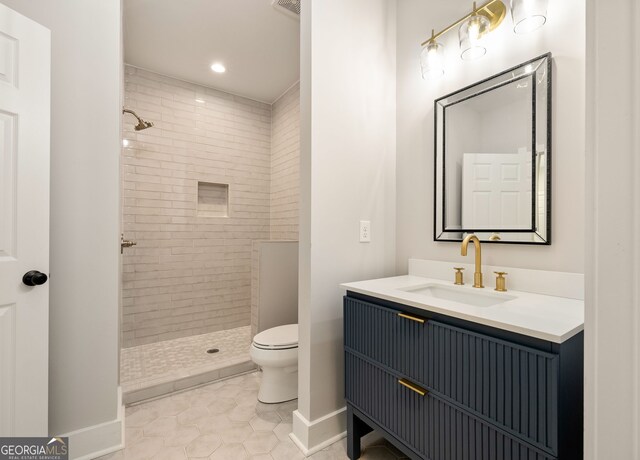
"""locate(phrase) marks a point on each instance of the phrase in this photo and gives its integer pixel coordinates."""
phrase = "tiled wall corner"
(255, 286)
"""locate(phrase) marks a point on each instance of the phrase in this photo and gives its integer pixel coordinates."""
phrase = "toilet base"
(279, 384)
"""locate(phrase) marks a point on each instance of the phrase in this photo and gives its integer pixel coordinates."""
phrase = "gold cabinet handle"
(413, 387)
(412, 318)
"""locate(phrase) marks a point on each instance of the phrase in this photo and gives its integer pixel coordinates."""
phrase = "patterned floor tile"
(225, 421)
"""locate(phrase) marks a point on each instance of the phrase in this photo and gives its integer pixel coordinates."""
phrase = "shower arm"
(132, 113)
(141, 123)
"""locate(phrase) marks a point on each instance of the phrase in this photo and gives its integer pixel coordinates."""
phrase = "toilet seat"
(277, 338)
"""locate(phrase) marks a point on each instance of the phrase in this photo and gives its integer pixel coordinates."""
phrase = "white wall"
(564, 36)
(85, 127)
(347, 175)
(612, 303)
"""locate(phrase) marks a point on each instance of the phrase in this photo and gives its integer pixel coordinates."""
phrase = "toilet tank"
(274, 284)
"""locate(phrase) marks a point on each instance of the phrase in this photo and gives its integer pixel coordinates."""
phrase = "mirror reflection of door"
(496, 191)
(492, 148)
(488, 138)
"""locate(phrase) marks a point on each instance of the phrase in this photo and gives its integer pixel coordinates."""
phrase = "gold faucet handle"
(459, 276)
(501, 282)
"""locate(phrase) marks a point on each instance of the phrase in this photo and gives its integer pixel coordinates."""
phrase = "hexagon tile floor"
(224, 421)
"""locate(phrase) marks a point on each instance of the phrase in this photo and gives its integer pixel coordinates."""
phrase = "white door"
(24, 224)
(497, 191)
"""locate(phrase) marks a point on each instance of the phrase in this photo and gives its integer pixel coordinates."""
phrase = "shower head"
(141, 123)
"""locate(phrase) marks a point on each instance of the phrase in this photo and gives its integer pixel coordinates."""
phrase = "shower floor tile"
(147, 371)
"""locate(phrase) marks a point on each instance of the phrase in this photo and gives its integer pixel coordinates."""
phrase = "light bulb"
(432, 60)
(470, 34)
(474, 32)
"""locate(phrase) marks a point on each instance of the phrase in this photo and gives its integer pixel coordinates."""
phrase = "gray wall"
(85, 128)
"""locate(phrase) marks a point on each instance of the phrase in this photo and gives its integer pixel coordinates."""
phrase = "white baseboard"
(312, 437)
(97, 440)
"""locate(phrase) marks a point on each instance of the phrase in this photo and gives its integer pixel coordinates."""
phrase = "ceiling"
(258, 45)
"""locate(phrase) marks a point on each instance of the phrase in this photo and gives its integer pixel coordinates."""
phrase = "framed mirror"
(493, 158)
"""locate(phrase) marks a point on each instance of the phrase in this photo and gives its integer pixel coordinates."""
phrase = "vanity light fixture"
(471, 33)
(527, 15)
(432, 59)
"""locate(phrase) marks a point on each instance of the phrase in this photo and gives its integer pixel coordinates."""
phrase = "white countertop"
(545, 317)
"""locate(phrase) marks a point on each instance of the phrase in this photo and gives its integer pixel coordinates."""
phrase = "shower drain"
(213, 350)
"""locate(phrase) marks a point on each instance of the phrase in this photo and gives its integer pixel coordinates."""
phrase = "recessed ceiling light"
(125, 143)
(200, 101)
(218, 68)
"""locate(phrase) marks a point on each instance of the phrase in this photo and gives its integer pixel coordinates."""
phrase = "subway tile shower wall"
(285, 165)
(191, 274)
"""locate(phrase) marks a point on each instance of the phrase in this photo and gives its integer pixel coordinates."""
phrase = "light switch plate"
(365, 231)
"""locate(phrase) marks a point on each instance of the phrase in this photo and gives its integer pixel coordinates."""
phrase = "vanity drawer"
(381, 334)
(428, 425)
(509, 385)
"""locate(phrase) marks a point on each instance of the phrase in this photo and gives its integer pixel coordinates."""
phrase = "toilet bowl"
(276, 352)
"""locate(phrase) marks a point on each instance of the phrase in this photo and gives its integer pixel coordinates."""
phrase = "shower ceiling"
(258, 45)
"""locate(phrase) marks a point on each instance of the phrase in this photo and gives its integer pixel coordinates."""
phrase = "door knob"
(34, 278)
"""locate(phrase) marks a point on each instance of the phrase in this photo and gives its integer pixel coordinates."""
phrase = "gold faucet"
(477, 275)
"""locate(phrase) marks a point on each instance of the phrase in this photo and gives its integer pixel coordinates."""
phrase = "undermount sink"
(477, 299)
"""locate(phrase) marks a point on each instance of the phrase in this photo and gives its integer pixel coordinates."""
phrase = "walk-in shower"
(218, 175)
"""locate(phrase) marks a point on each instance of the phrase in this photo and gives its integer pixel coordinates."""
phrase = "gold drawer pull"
(412, 318)
(412, 387)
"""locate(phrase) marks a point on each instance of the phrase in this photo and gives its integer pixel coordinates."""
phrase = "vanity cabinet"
(442, 388)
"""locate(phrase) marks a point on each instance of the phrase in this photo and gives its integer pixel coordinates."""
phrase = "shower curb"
(155, 390)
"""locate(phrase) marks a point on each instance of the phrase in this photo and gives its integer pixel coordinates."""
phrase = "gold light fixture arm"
(494, 10)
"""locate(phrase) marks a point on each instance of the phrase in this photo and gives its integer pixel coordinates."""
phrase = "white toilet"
(276, 352)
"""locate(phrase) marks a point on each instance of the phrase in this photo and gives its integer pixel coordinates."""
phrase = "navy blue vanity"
(442, 388)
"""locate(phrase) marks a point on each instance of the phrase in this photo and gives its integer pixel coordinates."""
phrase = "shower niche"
(213, 199)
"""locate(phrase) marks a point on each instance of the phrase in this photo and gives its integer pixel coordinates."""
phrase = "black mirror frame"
(440, 233)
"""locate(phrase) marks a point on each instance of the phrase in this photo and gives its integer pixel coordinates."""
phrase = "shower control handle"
(125, 243)
(34, 278)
